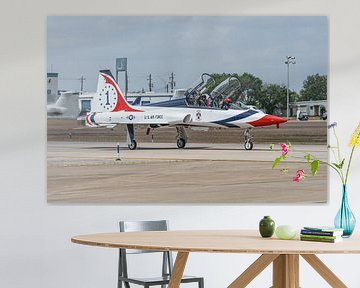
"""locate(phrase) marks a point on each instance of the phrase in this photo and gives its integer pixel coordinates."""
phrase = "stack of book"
(321, 234)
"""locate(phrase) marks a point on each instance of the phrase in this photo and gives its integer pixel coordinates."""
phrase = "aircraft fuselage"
(182, 116)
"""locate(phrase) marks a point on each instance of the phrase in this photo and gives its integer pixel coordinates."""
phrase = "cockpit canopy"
(205, 92)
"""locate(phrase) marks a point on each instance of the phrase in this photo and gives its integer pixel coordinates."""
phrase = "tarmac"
(202, 173)
(300, 132)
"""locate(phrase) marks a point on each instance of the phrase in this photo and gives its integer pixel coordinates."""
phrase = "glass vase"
(345, 219)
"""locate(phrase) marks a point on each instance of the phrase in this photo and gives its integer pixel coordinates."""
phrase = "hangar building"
(312, 108)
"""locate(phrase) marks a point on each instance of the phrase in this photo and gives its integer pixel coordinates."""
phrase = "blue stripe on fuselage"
(240, 116)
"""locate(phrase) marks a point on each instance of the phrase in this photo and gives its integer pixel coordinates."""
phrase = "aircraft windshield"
(198, 95)
(226, 89)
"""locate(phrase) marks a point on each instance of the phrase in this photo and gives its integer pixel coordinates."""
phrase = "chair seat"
(158, 280)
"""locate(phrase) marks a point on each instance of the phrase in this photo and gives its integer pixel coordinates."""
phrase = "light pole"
(121, 65)
(289, 60)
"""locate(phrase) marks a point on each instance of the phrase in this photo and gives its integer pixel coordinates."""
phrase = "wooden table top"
(217, 241)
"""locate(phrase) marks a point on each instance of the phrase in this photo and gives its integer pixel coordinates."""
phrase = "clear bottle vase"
(345, 219)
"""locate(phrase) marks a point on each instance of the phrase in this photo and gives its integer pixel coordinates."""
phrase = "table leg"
(324, 271)
(286, 271)
(178, 269)
(253, 270)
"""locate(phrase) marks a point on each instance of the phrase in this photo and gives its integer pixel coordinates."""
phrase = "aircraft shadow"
(175, 148)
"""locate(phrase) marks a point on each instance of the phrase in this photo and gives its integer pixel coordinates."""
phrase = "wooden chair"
(167, 262)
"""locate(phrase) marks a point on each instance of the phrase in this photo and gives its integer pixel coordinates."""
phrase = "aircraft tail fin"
(66, 105)
(109, 97)
(67, 99)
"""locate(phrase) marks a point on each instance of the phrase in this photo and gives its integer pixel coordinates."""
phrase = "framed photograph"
(187, 109)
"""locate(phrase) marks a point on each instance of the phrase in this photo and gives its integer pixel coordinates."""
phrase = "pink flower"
(284, 149)
(300, 174)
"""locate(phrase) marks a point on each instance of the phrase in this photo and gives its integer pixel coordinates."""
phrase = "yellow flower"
(355, 138)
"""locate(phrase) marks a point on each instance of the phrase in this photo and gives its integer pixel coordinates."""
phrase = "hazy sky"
(81, 45)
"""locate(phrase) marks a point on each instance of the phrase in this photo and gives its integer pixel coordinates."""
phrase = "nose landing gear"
(248, 144)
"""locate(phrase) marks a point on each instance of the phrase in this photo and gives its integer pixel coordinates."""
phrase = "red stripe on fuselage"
(87, 120)
(268, 120)
(121, 104)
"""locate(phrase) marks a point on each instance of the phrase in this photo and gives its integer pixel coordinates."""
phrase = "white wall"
(35, 248)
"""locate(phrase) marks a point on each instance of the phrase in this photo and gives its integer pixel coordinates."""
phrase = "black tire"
(133, 145)
(180, 142)
(248, 145)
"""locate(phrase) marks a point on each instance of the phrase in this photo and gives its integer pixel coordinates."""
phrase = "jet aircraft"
(65, 106)
(110, 108)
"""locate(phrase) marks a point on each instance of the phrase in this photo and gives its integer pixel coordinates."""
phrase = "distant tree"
(273, 98)
(314, 88)
(251, 87)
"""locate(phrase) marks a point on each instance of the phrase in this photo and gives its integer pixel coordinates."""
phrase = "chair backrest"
(133, 226)
(137, 226)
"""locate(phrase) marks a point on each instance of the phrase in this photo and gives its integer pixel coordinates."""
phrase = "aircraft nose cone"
(268, 120)
(277, 120)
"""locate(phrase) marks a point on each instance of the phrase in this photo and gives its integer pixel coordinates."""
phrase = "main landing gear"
(248, 144)
(181, 137)
(132, 145)
(131, 137)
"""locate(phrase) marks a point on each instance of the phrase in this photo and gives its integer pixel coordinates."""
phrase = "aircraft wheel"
(133, 145)
(248, 145)
(180, 143)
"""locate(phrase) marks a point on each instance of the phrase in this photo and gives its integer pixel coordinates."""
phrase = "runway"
(87, 172)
